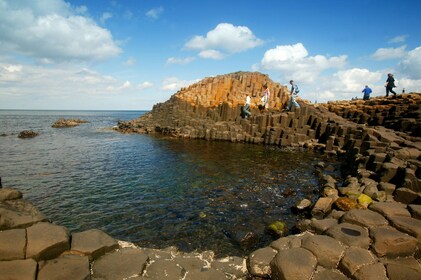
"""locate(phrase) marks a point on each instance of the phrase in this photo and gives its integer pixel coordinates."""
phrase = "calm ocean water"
(156, 192)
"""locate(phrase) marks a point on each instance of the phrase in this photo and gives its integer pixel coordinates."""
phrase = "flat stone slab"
(399, 272)
(209, 274)
(320, 226)
(46, 241)
(365, 218)
(390, 209)
(65, 267)
(389, 242)
(18, 269)
(407, 224)
(164, 269)
(375, 271)
(120, 264)
(351, 235)
(93, 243)
(355, 258)
(329, 274)
(327, 250)
(234, 266)
(12, 244)
(293, 264)
(259, 261)
(19, 214)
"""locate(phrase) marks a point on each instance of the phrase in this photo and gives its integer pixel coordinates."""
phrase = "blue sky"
(130, 55)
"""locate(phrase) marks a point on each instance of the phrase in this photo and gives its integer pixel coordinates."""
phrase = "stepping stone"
(355, 258)
(46, 241)
(407, 224)
(12, 244)
(390, 209)
(19, 214)
(365, 218)
(9, 194)
(120, 264)
(327, 250)
(93, 243)
(375, 271)
(351, 235)
(293, 264)
(18, 269)
(389, 242)
(164, 269)
(65, 267)
(259, 262)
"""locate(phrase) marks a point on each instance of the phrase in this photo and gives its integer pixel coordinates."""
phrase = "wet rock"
(27, 134)
(389, 242)
(293, 264)
(61, 123)
(259, 262)
(234, 266)
(164, 269)
(208, 274)
(120, 264)
(303, 204)
(19, 269)
(19, 214)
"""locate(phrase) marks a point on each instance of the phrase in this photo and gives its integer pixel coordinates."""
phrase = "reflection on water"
(153, 191)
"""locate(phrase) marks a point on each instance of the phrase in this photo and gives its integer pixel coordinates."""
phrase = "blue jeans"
(292, 101)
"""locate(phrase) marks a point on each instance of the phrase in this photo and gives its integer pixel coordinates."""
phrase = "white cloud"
(155, 13)
(389, 53)
(144, 85)
(411, 64)
(175, 60)
(225, 38)
(52, 31)
(398, 39)
(212, 54)
(130, 61)
(293, 61)
(104, 17)
(174, 84)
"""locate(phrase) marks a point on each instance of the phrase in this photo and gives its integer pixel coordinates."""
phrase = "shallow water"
(156, 192)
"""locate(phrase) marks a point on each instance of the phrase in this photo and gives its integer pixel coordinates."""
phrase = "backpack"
(296, 89)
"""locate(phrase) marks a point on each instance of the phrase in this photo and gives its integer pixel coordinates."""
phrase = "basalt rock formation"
(60, 123)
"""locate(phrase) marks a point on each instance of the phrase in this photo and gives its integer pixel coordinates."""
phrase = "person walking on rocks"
(294, 94)
(245, 110)
(390, 84)
(265, 98)
(366, 92)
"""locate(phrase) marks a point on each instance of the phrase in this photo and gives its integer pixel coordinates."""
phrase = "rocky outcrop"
(28, 134)
(61, 123)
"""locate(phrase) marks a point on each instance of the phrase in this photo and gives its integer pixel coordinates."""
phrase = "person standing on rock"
(366, 92)
(265, 98)
(247, 107)
(390, 84)
(294, 95)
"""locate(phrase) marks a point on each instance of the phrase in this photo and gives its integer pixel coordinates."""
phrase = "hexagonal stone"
(355, 258)
(365, 218)
(293, 264)
(390, 209)
(46, 241)
(65, 267)
(164, 269)
(329, 274)
(259, 261)
(390, 242)
(407, 224)
(327, 250)
(19, 214)
(374, 271)
(351, 235)
(320, 226)
(234, 266)
(18, 269)
(93, 243)
(12, 244)
(208, 274)
(120, 264)
(190, 263)
(399, 272)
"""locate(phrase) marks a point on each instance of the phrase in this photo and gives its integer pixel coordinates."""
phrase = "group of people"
(245, 110)
(390, 84)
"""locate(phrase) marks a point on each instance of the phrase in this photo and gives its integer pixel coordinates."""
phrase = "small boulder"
(27, 134)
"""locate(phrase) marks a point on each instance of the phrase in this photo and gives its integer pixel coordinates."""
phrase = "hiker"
(390, 84)
(366, 92)
(294, 95)
(265, 99)
(247, 107)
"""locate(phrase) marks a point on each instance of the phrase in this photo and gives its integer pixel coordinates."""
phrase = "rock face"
(61, 123)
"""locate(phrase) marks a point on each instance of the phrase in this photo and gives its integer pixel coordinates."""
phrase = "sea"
(154, 191)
